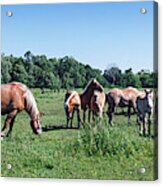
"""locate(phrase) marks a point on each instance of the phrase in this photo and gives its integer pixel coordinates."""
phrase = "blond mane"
(73, 93)
(31, 105)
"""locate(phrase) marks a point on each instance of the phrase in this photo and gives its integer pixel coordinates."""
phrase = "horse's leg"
(84, 113)
(110, 112)
(135, 107)
(78, 116)
(144, 125)
(9, 120)
(94, 116)
(89, 116)
(149, 124)
(11, 126)
(140, 121)
(72, 116)
(141, 128)
(129, 114)
(67, 122)
(101, 114)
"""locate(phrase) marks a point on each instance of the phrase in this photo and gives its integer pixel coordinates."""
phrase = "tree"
(28, 56)
(6, 68)
(146, 79)
(129, 79)
(19, 74)
(113, 75)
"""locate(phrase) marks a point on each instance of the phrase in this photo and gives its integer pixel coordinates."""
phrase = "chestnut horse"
(97, 105)
(72, 103)
(122, 98)
(85, 99)
(16, 97)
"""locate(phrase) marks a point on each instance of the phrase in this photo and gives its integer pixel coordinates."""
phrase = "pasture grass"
(93, 152)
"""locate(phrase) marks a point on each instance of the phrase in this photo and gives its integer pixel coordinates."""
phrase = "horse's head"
(149, 98)
(36, 124)
(97, 86)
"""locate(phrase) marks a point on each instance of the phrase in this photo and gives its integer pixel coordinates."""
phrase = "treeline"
(37, 71)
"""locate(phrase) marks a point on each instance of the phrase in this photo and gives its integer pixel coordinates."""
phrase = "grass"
(101, 152)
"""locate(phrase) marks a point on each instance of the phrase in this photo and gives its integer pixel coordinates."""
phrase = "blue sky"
(99, 34)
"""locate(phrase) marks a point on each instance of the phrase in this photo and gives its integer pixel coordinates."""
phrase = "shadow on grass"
(47, 128)
(124, 113)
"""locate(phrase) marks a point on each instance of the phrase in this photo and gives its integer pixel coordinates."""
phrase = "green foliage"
(130, 79)
(147, 80)
(113, 75)
(6, 69)
(40, 72)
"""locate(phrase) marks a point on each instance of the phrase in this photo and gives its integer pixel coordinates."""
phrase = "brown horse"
(16, 97)
(122, 98)
(97, 105)
(85, 99)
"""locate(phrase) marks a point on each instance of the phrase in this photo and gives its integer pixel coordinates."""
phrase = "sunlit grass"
(101, 152)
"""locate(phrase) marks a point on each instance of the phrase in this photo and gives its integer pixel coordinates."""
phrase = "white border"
(57, 182)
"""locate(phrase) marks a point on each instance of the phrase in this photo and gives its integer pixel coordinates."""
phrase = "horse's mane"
(30, 103)
(69, 98)
(85, 89)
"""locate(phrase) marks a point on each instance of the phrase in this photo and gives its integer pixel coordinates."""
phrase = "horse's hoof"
(140, 133)
(2, 136)
(111, 124)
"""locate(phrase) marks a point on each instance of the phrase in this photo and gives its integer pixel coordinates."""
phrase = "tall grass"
(104, 140)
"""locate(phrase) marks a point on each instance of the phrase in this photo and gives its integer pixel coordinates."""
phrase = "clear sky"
(99, 34)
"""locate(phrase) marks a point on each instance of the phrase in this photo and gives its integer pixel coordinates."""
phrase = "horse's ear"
(94, 80)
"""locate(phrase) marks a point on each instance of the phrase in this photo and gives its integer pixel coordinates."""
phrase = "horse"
(72, 102)
(16, 97)
(85, 98)
(144, 112)
(122, 98)
(97, 105)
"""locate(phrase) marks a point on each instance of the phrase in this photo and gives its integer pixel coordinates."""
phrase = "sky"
(99, 34)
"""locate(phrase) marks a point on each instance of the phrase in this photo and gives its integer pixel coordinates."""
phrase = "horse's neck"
(86, 95)
(31, 106)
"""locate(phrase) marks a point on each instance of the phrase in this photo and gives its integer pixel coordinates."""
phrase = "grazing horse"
(144, 112)
(97, 105)
(72, 102)
(85, 98)
(122, 98)
(16, 97)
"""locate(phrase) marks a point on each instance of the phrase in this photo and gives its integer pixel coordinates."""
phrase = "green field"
(59, 152)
